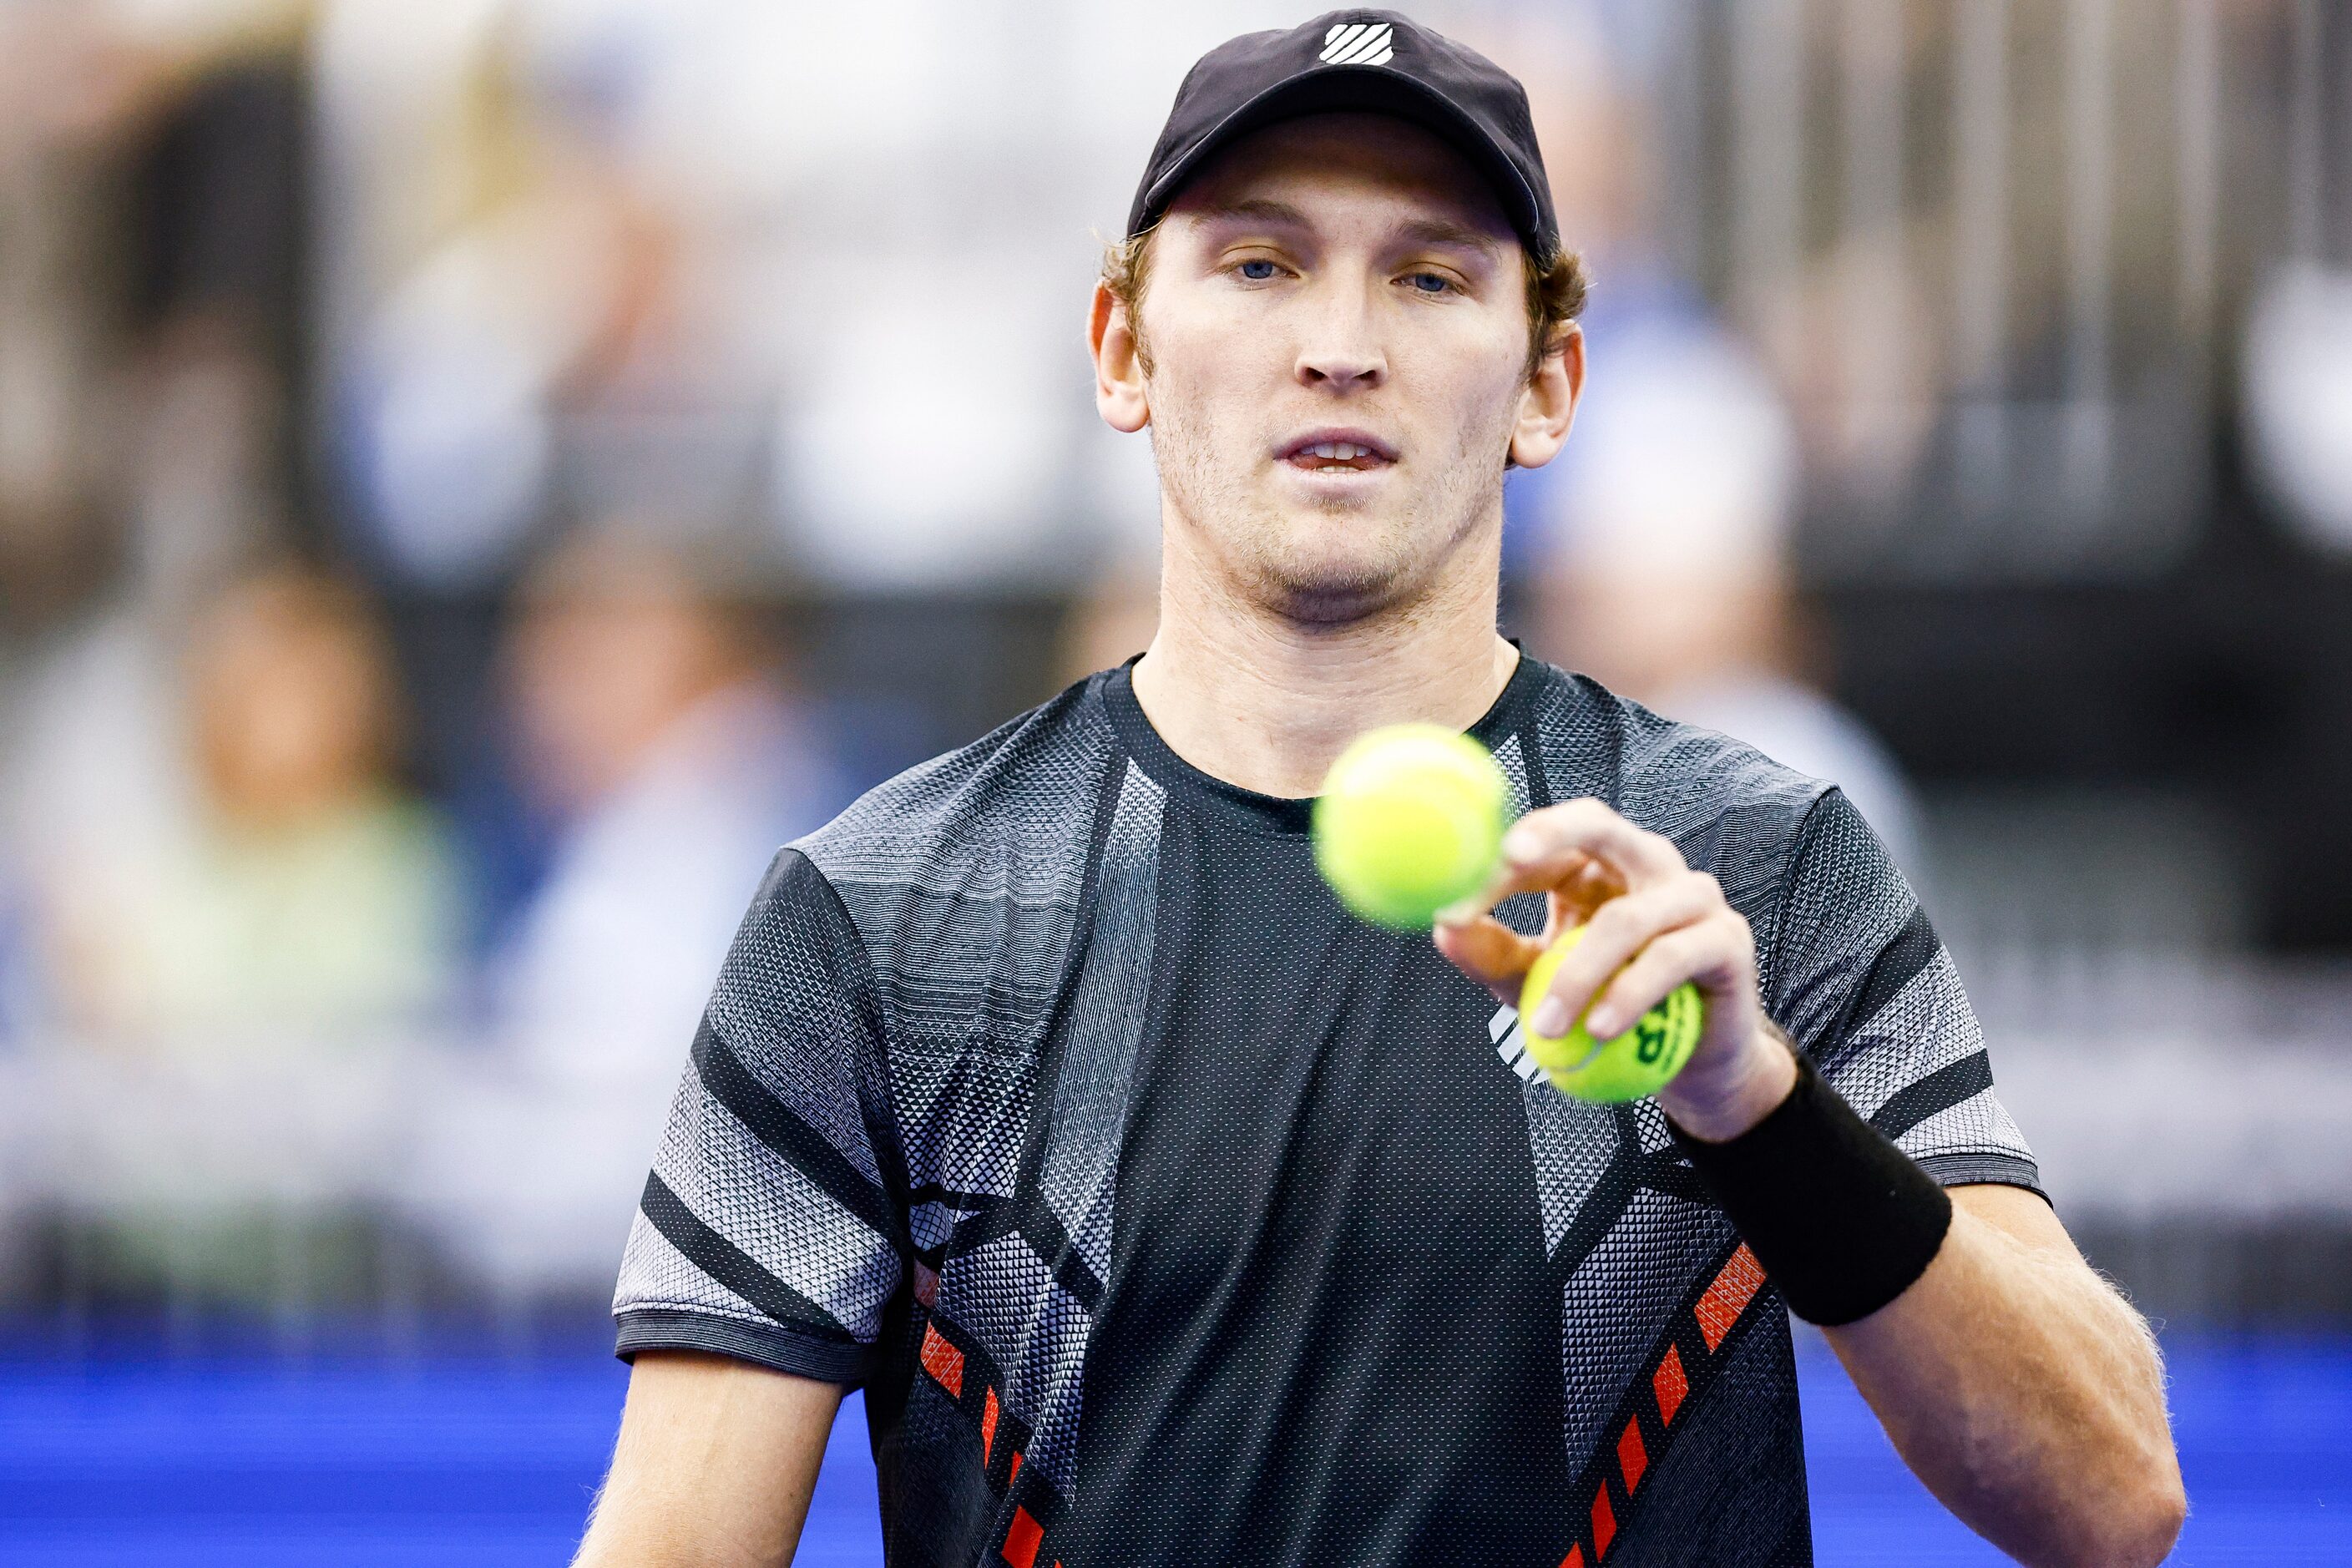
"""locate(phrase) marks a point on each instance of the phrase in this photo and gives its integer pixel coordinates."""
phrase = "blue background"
(131, 1456)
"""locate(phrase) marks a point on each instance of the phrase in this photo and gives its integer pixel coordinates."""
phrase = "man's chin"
(1333, 590)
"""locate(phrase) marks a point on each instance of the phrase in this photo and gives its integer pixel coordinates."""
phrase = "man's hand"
(2019, 1386)
(1652, 923)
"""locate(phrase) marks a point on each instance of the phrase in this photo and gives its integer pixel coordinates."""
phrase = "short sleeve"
(1860, 980)
(769, 1229)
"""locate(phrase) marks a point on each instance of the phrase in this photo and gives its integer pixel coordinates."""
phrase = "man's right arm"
(714, 1467)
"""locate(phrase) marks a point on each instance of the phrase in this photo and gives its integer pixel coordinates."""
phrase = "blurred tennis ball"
(1642, 1060)
(1410, 820)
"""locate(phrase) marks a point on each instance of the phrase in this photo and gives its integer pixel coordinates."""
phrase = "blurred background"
(478, 474)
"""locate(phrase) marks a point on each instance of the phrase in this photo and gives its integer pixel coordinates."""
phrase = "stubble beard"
(1266, 555)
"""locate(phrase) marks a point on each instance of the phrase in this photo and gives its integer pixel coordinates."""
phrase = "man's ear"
(1549, 406)
(1118, 364)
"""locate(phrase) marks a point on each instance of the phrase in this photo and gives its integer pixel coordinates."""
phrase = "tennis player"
(1166, 1213)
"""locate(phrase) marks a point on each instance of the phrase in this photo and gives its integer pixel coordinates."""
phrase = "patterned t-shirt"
(1169, 1214)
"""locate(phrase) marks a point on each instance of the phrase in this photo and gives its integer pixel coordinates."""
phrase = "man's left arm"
(2018, 1386)
(2023, 1391)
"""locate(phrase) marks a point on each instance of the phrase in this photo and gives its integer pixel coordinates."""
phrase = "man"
(1167, 1214)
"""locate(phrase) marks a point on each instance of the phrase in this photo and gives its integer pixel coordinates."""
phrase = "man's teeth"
(1335, 451)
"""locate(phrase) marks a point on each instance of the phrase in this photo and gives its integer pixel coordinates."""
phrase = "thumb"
(1490, 953)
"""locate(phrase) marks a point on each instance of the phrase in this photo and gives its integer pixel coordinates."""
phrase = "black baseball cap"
(1375, 61)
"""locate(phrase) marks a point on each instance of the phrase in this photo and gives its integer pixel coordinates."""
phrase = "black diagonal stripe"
(1911, 950)
(874, 1095)
(1939, 1090)
(1033, 1220)
(954, 1197)
(780, 1128)
(976, 1230)
(1631, 1170)
(1042, 1229)
(1665, 1170)
(731, 1265)
(1600, 1211)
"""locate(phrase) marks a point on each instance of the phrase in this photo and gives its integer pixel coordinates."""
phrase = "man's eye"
(1430, 282)
(1258, 269)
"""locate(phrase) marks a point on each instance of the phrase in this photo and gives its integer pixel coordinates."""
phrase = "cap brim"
(1366, 88)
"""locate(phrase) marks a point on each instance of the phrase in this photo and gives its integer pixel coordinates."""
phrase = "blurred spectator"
(1657, 545)
(655, 728)
(268, 874)
(561, 302)
(1663, 568)
(151, 170)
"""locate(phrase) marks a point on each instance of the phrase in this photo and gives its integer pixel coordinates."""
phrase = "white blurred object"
(399, 93)
(190, 26)
(932, 443)
(457, 372)
(2298, 398)
(1683, 458)
(200, 1125)
(2176, 1124)
(95, 782)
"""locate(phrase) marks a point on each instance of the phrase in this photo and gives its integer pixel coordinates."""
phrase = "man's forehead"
(1301, 172)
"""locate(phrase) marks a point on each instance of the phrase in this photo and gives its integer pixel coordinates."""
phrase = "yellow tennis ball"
(1642, 1060)
(1410, 820)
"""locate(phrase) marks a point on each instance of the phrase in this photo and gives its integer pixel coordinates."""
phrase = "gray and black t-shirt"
(1169, 1214)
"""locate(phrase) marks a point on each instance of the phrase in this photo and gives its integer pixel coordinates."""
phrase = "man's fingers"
(1664, 963)
(1598, 870)
(1558, 834)
(1578, 884)
(1490, 953)
(1575, 897)
(1618, 931)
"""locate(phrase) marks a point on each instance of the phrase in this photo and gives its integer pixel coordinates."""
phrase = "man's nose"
(1341, 353)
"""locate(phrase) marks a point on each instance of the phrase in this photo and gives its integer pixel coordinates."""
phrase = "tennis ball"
(1410, 820)
(1642, 1060)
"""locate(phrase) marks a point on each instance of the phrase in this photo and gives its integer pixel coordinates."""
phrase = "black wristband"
(1842, 1220)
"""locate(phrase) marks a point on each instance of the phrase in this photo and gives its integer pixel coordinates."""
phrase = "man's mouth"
(1323, 452)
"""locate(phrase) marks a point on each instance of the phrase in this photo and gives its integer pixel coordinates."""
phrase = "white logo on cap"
(1358, 44)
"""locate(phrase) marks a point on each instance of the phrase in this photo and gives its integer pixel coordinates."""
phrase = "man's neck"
(1266, 702)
